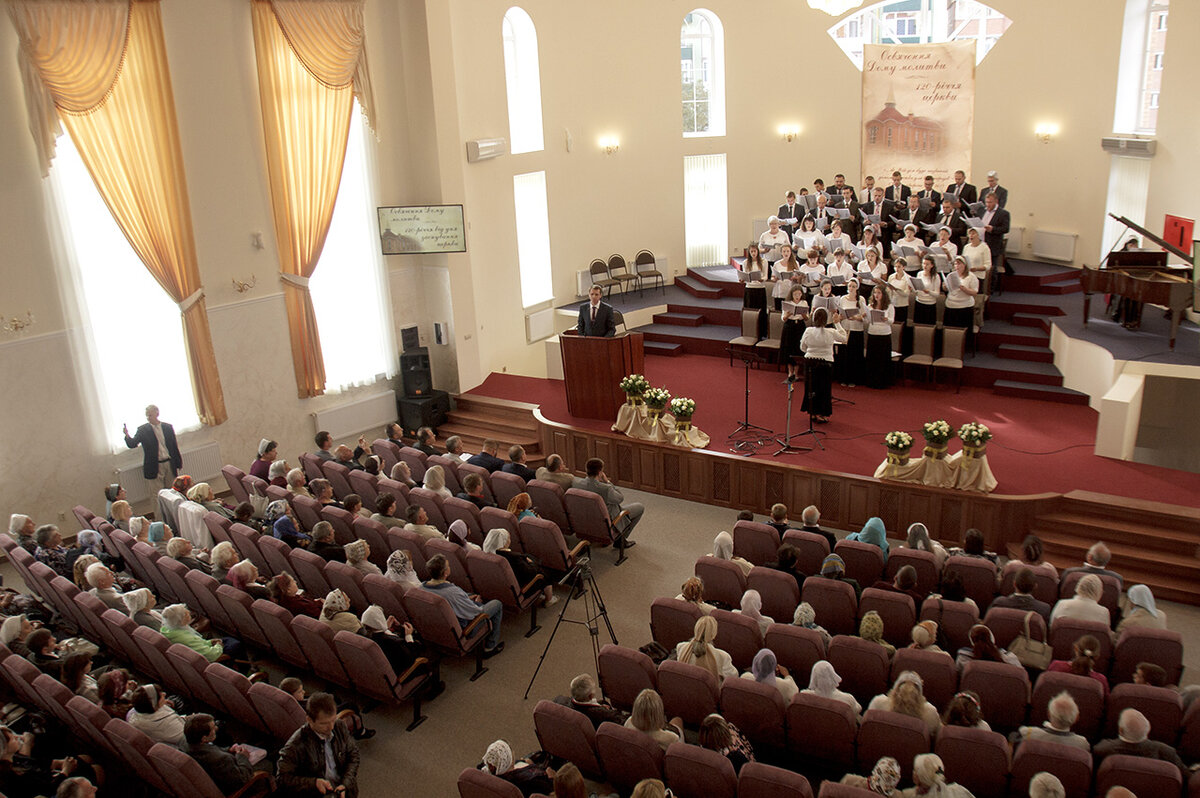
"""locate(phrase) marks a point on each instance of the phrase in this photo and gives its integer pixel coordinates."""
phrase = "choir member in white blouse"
(879, 338)
(979, 257)
(812, 270)
(960, 299)
(836, 235)
(793, 329)
(840, 266)
(808, 237)
(911, 240)
(786, 270)
(943, 241)
(773, 237)
(875, 265)
(755, 265)
(926, 309)
(870, 241)
(900, 289)
(849, 361)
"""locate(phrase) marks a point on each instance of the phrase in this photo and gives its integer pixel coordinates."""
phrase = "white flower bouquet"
(937, 432)
(898, 439)
(683, 408)
(635, 385)
(974, 434)
(656, 398)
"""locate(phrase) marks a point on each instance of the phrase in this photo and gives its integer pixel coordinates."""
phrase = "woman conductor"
(817, 346)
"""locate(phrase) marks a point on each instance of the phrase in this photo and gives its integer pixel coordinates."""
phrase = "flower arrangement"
(683, 408)
(656, 398)
(937, 432)
(635, 385)
(899, 440)
(974, 434)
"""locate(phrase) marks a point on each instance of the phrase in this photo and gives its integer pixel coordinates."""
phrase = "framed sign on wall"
(422, 229)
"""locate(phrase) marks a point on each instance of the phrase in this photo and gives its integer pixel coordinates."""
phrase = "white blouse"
(846, 270)
(900, 288)
(812, 274)
(884, 327)
(958, 298)
(817, 342)
(933, 287)
(950, 247)
(846, 244)
(853, 325)
(804, 241)
(979, 259)
(769, 240)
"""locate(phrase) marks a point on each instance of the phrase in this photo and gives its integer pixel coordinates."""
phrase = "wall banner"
(918, 110)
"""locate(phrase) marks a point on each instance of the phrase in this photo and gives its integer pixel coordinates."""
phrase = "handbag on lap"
(1032, 653)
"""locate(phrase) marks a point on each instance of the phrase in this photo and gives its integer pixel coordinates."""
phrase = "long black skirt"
(789, 340)
(879, 361)
(924, 314)
(849, 359)
(818, 387)
(959, 317)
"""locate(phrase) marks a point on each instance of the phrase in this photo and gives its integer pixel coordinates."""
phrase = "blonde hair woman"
(908, 698)
(435, 480)
(649, 718)
(701, 651)
(121, 513)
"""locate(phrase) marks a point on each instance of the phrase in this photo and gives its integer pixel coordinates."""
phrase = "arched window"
(702, 72)
(524, 82)
(927, 21)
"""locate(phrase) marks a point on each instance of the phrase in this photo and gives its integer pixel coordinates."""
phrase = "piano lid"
(1187, 258)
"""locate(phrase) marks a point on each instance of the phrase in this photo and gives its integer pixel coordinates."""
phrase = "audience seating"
(822, 730)
(978, 576)
(1072, 766)
(342, 523)
(812, 549)
(339, 478)
(755, 542)
(862, 664)
(450, 467)
(543, 539)
(695, 772)
(628, 755)
(1140, 775)
(493, 578)
(625, 672)
(936, 669)
(757, 710)
(366, 486)
(724, 581)
(1189, 733)
(955, 618)
(779, 591)
(925, 563)
(864, 562)
(497, 518)
(834, 603)
(433, 619)
(739, 636)
(885, 733)
(310, 571)
(348, 579)
(456, 556)
(689, 692)
(672, 621)
(372, 674)
(590, 520)
(978, 759)
(1088, 695)
(1162, 706)
(758, 780)
(474, 783)
(133, 746)
(1065, 631)
(307, 510)
(1163, 647)
(505, 487)
(482, 473)
(566, 733)
(387, 452)
(185, 778)
(795, 648)
(833, 789)
(1111, 597)
(1007, 624)
(454, 509)
(1045, 587)
(1004, 692)
(548, 499)
(412, 543)
(218, 526)
(897, 610)
(417, 461)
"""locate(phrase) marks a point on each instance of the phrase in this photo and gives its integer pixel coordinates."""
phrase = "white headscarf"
(723, 546)
(11, 628)
(499, 758)
(262, 446)
(137, 524)
(138, 600)
(17, 522)
(435, 478)
(496, 539)
(824, 680)
(458, 529)
(400, 569)
(1140, 596)
(752, 604)
(374, 619)
(356, 551)
(335, 602)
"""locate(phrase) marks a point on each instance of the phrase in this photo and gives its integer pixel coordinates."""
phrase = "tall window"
(705, 210)
(349, 287)
(533, 238)
(702, 72)
(523, 80)
(1156, 45)
(920, 21)
(132, 330)
(1140, 71)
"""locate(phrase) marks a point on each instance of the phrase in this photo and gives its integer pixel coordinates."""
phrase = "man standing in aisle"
(161, 459)
(596, 317)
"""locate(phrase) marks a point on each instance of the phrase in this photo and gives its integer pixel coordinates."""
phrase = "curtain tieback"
(195, 297)
(295, 279)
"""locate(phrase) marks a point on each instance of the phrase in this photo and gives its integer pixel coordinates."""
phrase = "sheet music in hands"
(865, 278)
(974, 221)
(941, 260)
(792, 310)
(870, 218)
(878, 317)
(842, 213)
(822, 222)
(932, 228)
(851, 313)
(917, 283)
(830, 303)
(911, 250)
(953, 281)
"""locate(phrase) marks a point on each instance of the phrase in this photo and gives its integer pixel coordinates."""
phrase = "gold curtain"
(310, 58)
(128, 138)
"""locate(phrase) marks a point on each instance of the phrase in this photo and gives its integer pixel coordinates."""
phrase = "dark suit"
(838, 192)
(918, 218)
(797, 212)
(604, 325)
(521, 470)
(958, 228)
(823, 213)
(1025, 603)
(146, 438)
(478, 501)
(1000, 191)
(430, 451)
(994, 238)
(600, 713)
(904, 192)
(228, 770)
(965, 194)
(816, 530)
(853, 225)
(932, 195)
(1090, 569)
(488, 461)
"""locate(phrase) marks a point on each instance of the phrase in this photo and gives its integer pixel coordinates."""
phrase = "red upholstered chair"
(1189, 733)
(412, 543)
(978, 575)
(184, 776)
(625, 672)
(417, 462)
(154, 648)
(309, 569)
(672, 621)
(342, 522)
(122, 627)
(628, 756)
(1136, 644)
(493, 578)
(925, 563)
(1162, 706)
(133, 748)
(833, 789)
(897, 610)
(1140, 775)
(1007, 624)
(245, 540)
(316, 641)
(237, 606)
(1111, 597)
(548, 499)
(542, 538)
(1071, 765)
(954, 617)
(864, 561)
(53, 696)
(218, 526)
(757, 710)
(1003, 691)
(812, 548)
(936, 669)
(863, 666)
(432, 504)
(20, 674)
(739, 636)
(461, 510)
(821, 730)
(757, 780)
(885, 733)
(482, 473)
(688, 692)
(307, 510)
(498, 518)
(375, 534)
(505, 486)
(1086, 691)
(779, 591)
(590, 520)
(371, 674)
(758, 543)
(564, 732)
(387, 452)
(1065, 631)
(834, 602)
(450, 468)
(83, 515)
(339, 478)
(279, 710)
(1045, 586)
(234, 690)
(276, 624)
(89, 720)
(474, 783)
(278, 494)
(433, 619)
(977, 759)
(255, 486)
(191, 666)
(796, 648)
(724, 581)
(148, 557)
(347, 579)
(366, 485)
(695, 772)
(277, 554)
(398, 491)
(312, 466)
(457, 557)
(387, 594)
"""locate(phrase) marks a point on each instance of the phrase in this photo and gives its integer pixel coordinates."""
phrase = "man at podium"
(596, 317)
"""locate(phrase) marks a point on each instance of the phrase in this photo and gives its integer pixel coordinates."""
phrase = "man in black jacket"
(228, 767)
(473, 491)
(487, 457)
(321, 757)
(324, 544)
(161, 459)
(596, 318)
(811, 519)
(1022, 596)
(583, 699)
(516, 464)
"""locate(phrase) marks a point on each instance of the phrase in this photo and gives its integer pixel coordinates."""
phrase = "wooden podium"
(593, 369)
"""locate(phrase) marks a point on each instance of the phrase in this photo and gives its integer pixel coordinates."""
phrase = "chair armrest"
(532, 582)
(469, 629)
(260, 783)
(579, 547)
(418, 664)
(258, 676)
(613, 521)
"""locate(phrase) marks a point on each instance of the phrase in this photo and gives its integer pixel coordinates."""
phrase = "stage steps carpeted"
(1148, 546)
(476, 418)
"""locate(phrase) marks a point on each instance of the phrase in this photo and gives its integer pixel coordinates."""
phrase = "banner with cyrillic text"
(918, 104)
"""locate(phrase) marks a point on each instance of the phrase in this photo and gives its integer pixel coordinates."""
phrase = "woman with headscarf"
(13, 632)
(806, 617)
(112, 493)
(924, 637)
(693, 593)
(701, 651)
(277, 473)
(159, 535)
(1084, 653)
(529, 778)
(457, 534)
(718, 734)
(154, 716)
(268, 450)
(283, 525)
(929, 780)
(521, 506)
(908, 698)
(122, 513)
(115, 690)
(883, 779)
(649, 718)
(400, 569)
(141, 608)
(335, 613)
(723, 550)
(824, 681)
(765, 669)
(870, 628)
(287, 594)
(243, 576)
(1086, 605)
(918, 538)
(296, 483)
(202, 493)
(525, 567)
(873, 532)
(1139, 609)
(395, 639)
(88, 543)
(357, 554)
(982, 647)
(435, 480)
(752, 608)
(834, 567)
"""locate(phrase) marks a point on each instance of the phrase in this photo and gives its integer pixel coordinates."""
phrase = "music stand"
(744, 425)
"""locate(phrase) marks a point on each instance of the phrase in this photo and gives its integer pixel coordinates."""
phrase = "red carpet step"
(1042, 392)
(664, 348)
(697, 288)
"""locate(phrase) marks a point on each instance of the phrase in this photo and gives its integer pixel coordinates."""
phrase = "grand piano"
(1142, 276)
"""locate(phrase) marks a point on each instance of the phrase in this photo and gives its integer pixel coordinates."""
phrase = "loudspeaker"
(410, 338)
(414, 372)
(424, 411)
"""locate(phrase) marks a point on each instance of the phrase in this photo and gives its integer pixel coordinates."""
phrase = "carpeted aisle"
(1039, 447)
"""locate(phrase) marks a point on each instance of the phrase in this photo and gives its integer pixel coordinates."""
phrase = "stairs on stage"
(703, 324)
(476, 418)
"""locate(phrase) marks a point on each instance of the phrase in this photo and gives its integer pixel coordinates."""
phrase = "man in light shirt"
(161, 459)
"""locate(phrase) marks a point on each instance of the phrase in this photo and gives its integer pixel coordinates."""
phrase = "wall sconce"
(610, 144)
(242, 287)
(1045, 131)
(17, 325)
(789, 132)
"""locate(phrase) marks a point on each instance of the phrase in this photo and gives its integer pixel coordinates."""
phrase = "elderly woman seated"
(296, 483)
(177, 628)
(141, 603)
(873, 532)
(723, 550)
(718, 734)
(152, 533)
(400, 570)
(692, 592)
(336, 613)
(751, 607)
(322, 491)
(287, 594)
(22, 529)
(883, 779)
(283, 524)
(202, 493)
(1138, 608)
(529, 778)
(929, 780)
(277, 473)
(244, 576)
(50, 551)
(181, 550)
(766, 670)
(224, 557)
(394, 638)
(357, 552)
(122, 512)
(806, 617)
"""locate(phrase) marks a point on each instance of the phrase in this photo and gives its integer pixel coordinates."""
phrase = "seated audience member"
(1046, 785)
(1022, 596)
(385, 509)
(487, 458)
(373, 465)
(718, 734)
(525, 567)
(1138, 609)
(347, 713)
(268, 452)
(112, 493)
(824, 681)
(787, 560)
(904, 583)
(202, 494)
(321, 756)
(353, 504)
(929, 779)
(779, 518)
(400, 570)
(651, 788)
(244, 514)
(556, 471)
(701, 651)
(283, 525)
(229, 767)
(965, 710)
(834, 567)
(1084, 652)
(924, 637)
(122, 512)
(177, 628)
(322, 491)
(466, 608)
(1096, 562)
(1151, 674)
(693, 593)
(357, 554)
(158, 535)
(79, 570)
(810, 519)
(870, 628)
(1061, 714)
(526, 776)
(287, 594)
(457, 533)
(394, 433)
(752, 608)
(224, 557)
(883, 779)
(426, 438)
(596, 481)
(584, 699)
(116, 692)
(22, 530)
(155, 716)
(102, 581)
(50, 551)
(244, 577)
(435, 480)
(395, 639)
(454, 449)
(973, 546)
(874, 533)
(181, 550)
(723, 550)
(918, 538)
(806, 617)
(140, 604)
(1133, 731)
(345, 456)
(521, 506)
(1031, 557)
(324, 545)
(277, 473)
(982, 647)
(14, 632)
(44, 653)
(418, 522)
(296, 483)
(569, 783)
(1085, 606)
(182, 484)
(402, 473)
(648, 717)
(907, 697)
(765, 669)
(472, 490)
(953, 589)
(335, 613)
(88, 542)
(516, 463)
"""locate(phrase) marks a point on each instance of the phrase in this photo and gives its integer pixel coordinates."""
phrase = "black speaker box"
(423, 411)
(414, 372)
